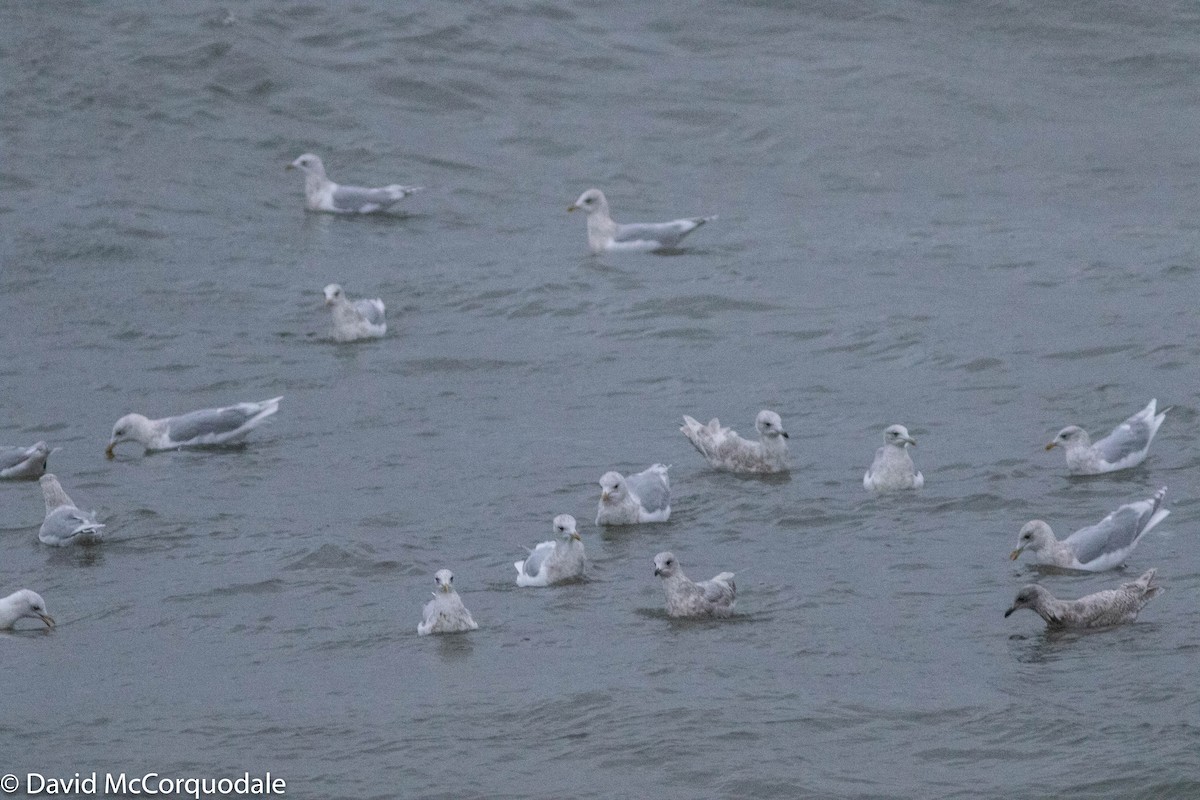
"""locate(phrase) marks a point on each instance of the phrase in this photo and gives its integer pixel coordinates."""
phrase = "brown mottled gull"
(445, 613)
(1099, 610)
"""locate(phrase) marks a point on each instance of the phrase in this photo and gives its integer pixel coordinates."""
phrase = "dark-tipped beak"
(290, 166)
(658, 572)
(46, 618)
(1015, 554)
(784, 434)
(1050, 446)
(572, 208)
(1006, 613)
(108, 451)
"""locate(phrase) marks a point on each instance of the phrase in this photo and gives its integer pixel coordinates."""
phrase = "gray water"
(978, 220)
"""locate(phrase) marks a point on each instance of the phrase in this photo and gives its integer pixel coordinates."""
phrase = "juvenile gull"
(20, 604)
(1125, 447)
(1097, 547)
(554, 561)
(644, 497)
(604, 234)
(211, 426)
(322, 194)
(24, 462)
(445, 613)
(893, 467)
(724, 449)
(64, 523)
(1099, 610)
(711, 598)
(354, 319)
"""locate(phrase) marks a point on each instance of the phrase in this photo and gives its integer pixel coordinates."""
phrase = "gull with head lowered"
(209, 427)
(1100, 610)
(65, 524)
(606, 235)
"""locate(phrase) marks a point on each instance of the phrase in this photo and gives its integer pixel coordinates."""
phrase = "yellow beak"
(572, 208)
(1050, 446)
(46, 618)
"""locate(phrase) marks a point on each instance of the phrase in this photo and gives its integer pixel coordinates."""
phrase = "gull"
(445, 613)
(322, 194)
(1097, 547)
(604, 234)
(354, 319)
(20, 604)
(208, 427)
(644, 497)
(893, 467)
(554, 561)
(724, 449)
(64, 523)
(1099, 610)
(711, 598)
(1125, 447)
(24, 462)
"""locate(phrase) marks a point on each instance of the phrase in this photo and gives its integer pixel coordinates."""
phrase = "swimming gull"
(24, 462)
(893, 467)
(644, 497)
(64, 523)
(445, 613)
(1125, 447)
(604, 234)
(1097, 547)
(354, 319)
(209, 427)
(711, 598)
(1099, 610)
(20, 604)
(322, 194)
(554, 561)
(724, 449)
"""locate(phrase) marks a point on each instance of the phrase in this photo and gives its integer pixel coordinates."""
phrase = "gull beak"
(290, 166)
(1015, 554)
(1006, 613)
(46, 618)
(572, 208)
(604, 496)
(657, 572)
(108, 451)
(575, 535)
(443, 587)
(1050, 446)
(911, 441)
(784, 434)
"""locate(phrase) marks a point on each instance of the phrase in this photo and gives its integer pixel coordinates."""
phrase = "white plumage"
(207, 427)
(1125, 447)
(322, 194)
(644, 497)
(65, 524)
(354, 319)
(724, 449)
(606, 235)
(893, 468)
(21, 604)
(445, 613)
(555, 561)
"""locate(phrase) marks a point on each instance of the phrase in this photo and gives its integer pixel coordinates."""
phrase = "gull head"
(1027, 597)
(897, 436)
(1034, 535)
(769, 424)
(444, 579)
(25, 603)
(334, 294)
(310, 163)
(590, 202)
(129, 428)
(612, 487)
(665, 565)
(1068, 436)
(564, 526)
